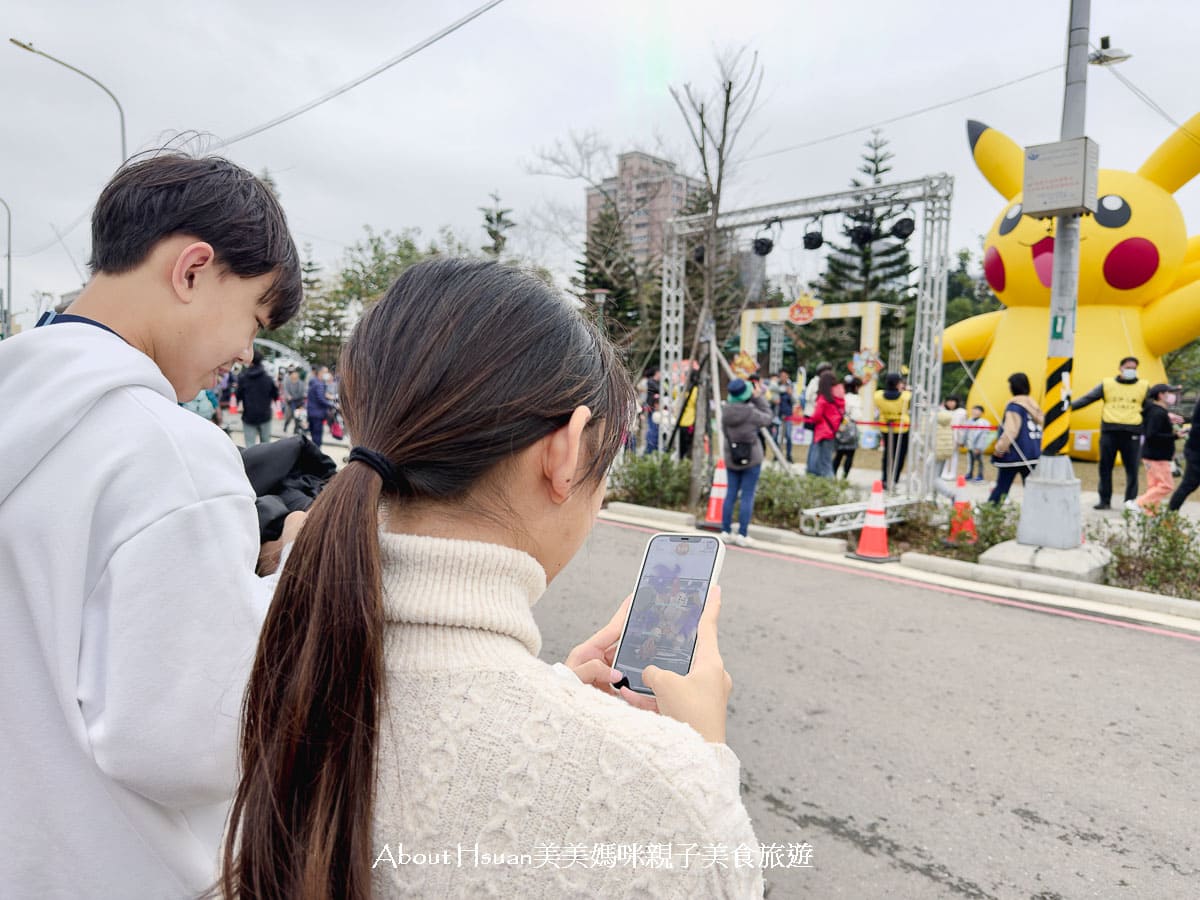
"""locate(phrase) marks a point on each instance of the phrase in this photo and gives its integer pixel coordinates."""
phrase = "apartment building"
(647, 191)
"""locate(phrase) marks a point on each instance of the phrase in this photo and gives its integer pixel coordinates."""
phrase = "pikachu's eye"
(1112, 211)
(1010, 220)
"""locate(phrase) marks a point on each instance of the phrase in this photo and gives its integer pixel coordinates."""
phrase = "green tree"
(870, 263)
(292, 334)
(608, 264)
(1183, 365)
(495, 223)
(366, 271)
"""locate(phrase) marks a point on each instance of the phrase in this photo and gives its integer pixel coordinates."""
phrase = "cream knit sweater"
(515, 780)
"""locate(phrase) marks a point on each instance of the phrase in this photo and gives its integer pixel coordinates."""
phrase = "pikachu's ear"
(998, 157)
(1177, 160)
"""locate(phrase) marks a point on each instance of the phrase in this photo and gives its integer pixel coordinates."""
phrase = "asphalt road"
(930, 743)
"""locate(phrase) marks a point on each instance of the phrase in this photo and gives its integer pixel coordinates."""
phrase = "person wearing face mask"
(1120, 427)
(1159, 448)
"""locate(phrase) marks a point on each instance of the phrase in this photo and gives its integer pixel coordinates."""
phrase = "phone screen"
(668, 601)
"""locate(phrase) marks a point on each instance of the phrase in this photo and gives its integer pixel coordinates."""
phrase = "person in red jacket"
(827, 417)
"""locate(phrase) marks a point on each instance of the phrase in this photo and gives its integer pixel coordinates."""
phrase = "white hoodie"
(130, 615)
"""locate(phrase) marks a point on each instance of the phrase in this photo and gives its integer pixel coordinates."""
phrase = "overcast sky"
(424, 143)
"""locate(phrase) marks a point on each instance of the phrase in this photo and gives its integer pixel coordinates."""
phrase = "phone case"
(716, 574)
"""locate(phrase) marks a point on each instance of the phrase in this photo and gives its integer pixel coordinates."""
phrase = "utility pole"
(1050, 514)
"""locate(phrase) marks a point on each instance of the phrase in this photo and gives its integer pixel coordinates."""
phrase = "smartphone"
(672, 588)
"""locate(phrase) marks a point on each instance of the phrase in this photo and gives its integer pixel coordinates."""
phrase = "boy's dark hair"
(650, 371)
(1018, 383)
(977, 407)
(210, 198)
(257, 357)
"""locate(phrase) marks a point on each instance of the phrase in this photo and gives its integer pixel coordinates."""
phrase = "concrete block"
(792, 539)
(1050, 512)
(1082, 563)
(1009, 555)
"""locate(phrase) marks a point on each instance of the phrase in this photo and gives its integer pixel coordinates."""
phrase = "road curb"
(668, 518)
(833, 550)
(1049, 584)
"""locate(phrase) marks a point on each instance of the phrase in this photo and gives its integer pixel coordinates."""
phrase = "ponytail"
(513, 362)
(301, 823)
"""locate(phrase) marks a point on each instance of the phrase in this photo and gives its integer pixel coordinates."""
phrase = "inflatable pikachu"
(1139, 279)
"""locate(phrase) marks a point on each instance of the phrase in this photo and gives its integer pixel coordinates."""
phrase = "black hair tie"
(380, 463)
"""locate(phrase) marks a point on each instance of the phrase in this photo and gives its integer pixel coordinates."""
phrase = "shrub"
(781, 496)
(659, 480)
(1152, 553)
(926, 527)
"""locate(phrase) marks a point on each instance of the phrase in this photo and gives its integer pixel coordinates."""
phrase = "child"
(130, 600)
(978, 437)
(1158, 449)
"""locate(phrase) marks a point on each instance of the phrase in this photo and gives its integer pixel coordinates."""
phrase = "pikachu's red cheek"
(993, 269)
(1131, 264)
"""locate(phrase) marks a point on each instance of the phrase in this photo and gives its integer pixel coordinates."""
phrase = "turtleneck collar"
(454, 604)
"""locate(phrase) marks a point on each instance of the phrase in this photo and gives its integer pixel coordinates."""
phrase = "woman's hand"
(701, 697)
(270, 552)
(592, 661)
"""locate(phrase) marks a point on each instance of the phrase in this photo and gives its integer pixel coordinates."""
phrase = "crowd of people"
(1137, 423)
(307, 404)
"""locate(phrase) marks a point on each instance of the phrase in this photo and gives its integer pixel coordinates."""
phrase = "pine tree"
(871, 264)
(608, 264)
(495, 223)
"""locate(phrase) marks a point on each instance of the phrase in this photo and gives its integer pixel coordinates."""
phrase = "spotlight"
(813, 240)
(763, 246)
(861, 235)
(903, 228)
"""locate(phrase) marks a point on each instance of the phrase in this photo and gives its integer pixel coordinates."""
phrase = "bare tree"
(715, 120)
(586, 158)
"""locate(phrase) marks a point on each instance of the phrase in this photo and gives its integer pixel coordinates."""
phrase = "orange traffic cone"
(716, 498)
(872, 540)
(233, 404)
(962, 521)
(279, 410)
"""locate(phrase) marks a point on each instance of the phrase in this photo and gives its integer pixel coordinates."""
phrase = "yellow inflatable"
(1139, 279)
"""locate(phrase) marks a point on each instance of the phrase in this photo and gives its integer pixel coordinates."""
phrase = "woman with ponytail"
(401, 736)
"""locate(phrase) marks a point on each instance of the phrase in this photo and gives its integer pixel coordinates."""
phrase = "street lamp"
(599, 297)
(6, 331)
(120, 111)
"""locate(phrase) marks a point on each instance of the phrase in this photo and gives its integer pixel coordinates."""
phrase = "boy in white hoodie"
(129, 540)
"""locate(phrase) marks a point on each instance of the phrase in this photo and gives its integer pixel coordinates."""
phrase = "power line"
(300, 110)
(907, 115)
(337, 92)
(1149, 101)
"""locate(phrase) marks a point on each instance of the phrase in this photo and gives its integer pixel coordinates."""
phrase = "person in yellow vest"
(687, 425)
(1120, 426)
(893, 403)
